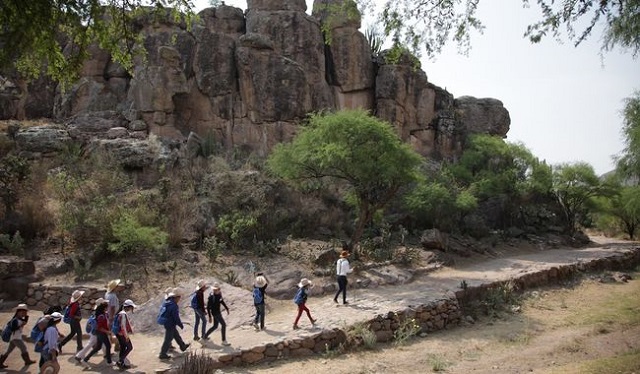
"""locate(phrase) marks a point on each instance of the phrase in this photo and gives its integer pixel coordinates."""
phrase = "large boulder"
(42, 139)
(223, 19)
(130, 153)
(86, 126)
(296, 5)
(483, 116)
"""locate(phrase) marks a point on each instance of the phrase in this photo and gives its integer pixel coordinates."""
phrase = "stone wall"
(40, 296)
(433, 316)
(15, 276)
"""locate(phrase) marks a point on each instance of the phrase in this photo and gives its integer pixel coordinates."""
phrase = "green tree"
(629, 161)
(433, 23)
(574, 185)
(54, 36)
(354, 147)
(626, 208)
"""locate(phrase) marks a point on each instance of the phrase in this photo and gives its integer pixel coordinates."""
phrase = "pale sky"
(564, 102)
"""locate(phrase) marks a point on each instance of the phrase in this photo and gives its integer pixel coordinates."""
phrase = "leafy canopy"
(430, 24)
(54, 36)
(629, 160)
(353, 147)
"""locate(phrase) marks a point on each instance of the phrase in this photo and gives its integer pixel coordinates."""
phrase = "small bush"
(195, 363)
(213, 247)
(14, 245)
(407, 329)
(360, 334)
(133, 238)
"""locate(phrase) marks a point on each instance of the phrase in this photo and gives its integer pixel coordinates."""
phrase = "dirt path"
(365, 303)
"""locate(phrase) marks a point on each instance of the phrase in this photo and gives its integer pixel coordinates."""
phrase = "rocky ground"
(365, 303)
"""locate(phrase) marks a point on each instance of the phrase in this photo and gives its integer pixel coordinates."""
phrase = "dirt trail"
(364, 304)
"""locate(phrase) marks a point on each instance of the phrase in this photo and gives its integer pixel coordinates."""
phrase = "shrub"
(213, 247)
(407, 328)
(14, 245)
(131, 237)
(361, 334)
(195, 363)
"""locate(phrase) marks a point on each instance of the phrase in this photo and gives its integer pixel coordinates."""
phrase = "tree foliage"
(352, 147)
(430, 24)
(574, 185)
(629, 161)
(54, 36)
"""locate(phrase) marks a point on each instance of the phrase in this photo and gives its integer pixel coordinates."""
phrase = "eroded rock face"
(249, 79)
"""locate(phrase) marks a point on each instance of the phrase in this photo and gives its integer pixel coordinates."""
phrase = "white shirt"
(342, 267)
(17, 335)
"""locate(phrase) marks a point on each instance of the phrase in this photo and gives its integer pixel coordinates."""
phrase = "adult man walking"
(170, 318)
(342, 269)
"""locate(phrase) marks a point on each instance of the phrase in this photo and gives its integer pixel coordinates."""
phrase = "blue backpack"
(66, 318)
(162, 314)
(38, 342)
(194, 301)
(92, 325)
(257, 296)
(115, 326)
(299, 298)
(7, 331)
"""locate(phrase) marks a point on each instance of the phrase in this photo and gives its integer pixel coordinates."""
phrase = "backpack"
(66, 318)
(258, 298)
(194, 301)
(299, 298)
(162, 318)
(7, 331)
(38, 341)
(115, 326)
(92, 325)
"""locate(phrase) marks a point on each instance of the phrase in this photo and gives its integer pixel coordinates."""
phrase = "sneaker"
(295, 327)
(164, 357)
(345, 302)
(186, 346)
(225, 343)
(255, 326)
(335, 301)
(313, 321)
(78, 359)
(196, 338)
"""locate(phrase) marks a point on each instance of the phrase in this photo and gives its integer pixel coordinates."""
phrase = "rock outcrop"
(249, 79)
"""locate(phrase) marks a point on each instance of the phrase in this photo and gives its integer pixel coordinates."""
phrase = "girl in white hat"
(301, 300)
(75, 316)
(99, 333)
(17, 323)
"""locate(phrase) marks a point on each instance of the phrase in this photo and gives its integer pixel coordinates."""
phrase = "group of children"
(112, 319)
(109, 318)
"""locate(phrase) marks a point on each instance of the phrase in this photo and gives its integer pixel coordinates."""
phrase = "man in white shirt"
(342, 269)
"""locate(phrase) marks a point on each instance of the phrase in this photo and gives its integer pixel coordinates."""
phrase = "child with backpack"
(12, 334)
(50, 350)
(92, 329)
(73, 315)
(301, 300)
(259, 288)
(102, 332)
(197, 303)
(121, 328)
(213, 309)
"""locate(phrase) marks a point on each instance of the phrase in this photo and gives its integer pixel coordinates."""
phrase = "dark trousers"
(218, 320)
(259, 315)
(342, 288)
(125, 347)
(302, 308)
(103, 340)
(171, 333)
(76, 331)
(200, 316)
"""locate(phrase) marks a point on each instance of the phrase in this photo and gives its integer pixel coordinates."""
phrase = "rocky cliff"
(249, 79)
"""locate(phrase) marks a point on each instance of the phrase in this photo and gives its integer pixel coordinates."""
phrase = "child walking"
(102, 332)
(17, 323)
(213, 310)
(122, 329)
(301, 300)
(259, 288)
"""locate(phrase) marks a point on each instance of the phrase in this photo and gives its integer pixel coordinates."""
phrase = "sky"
(565, 102)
